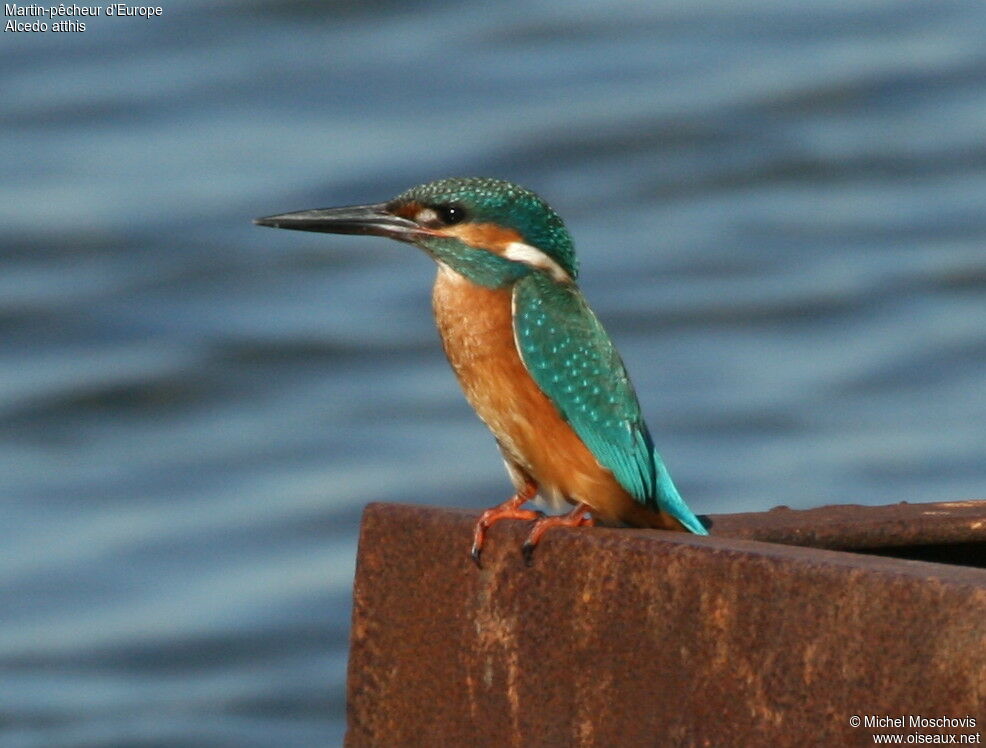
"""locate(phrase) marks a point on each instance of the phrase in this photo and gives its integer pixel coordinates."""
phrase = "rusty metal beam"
(851, 526)
(640, 637)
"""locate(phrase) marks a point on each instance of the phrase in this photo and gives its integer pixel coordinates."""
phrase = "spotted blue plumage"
(504, 204)
(573, 361)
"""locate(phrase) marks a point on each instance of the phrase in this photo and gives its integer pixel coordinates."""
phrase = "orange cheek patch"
(408, 210)
(487, 236)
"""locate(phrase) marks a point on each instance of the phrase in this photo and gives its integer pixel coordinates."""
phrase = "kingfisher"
(532, 358)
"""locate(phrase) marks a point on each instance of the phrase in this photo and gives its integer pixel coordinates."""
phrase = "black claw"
(528, 552)
(475, 553)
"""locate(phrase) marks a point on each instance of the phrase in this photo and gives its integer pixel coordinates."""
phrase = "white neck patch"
(520, 252)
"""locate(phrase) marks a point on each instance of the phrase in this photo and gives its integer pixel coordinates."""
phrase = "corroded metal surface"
(634, 637)
(851, 526)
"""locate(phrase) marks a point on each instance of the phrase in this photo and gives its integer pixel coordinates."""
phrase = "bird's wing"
(571, 358)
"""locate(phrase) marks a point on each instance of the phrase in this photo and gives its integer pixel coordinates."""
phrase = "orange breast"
(476, 326)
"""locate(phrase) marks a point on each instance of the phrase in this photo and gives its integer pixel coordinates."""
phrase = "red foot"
(578, 517)
(509, 509)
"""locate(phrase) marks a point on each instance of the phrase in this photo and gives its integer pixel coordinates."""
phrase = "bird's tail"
(670, 501)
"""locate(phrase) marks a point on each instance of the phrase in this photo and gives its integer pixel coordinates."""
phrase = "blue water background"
(781, 214)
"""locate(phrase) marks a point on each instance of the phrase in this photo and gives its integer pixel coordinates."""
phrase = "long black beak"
(375, 220)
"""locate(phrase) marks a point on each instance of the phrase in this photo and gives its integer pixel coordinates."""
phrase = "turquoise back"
(573, 361)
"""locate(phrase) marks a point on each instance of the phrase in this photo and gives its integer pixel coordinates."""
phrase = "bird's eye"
(450, 214)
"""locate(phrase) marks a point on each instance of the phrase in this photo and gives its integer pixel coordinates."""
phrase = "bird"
(532, 358)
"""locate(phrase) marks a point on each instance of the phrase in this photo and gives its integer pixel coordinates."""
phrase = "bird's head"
(490, 231)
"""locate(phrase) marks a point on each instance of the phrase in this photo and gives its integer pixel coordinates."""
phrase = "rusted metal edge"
(825, 535)
(852, 526)
(644, 637)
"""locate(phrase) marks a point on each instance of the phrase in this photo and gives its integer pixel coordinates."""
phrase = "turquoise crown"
(505, 204)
